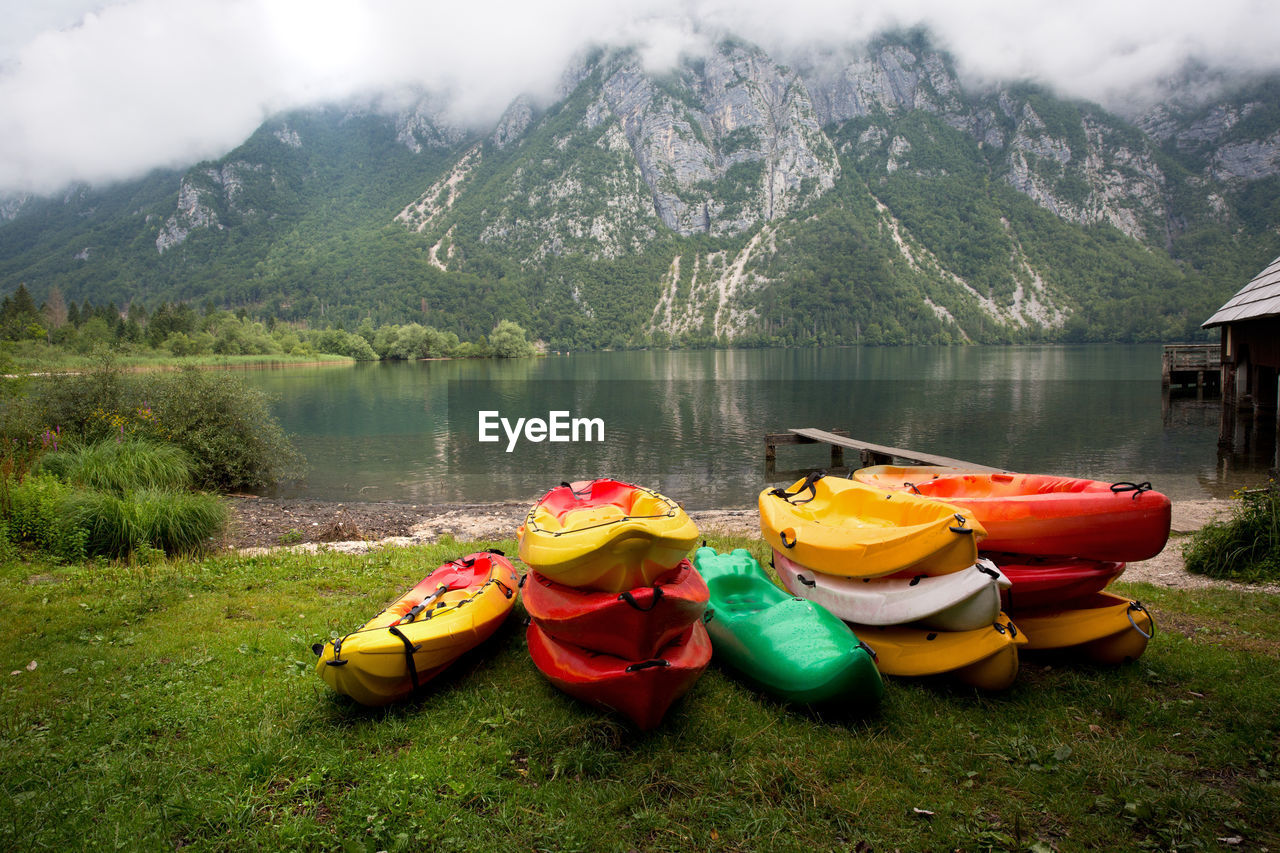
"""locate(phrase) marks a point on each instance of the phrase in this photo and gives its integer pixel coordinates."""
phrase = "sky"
(106, 90)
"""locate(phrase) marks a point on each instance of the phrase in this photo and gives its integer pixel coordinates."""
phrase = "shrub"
(120, 466)
(36, 513)
(1244, 548)
(225, 427)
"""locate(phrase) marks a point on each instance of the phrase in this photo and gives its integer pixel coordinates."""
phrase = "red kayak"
(1051, 581)
(1039, 514)
(640, 690)
(632, 625)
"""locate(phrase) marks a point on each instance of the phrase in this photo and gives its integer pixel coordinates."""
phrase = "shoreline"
(261, 526)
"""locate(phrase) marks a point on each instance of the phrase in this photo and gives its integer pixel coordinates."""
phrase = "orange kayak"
(1041, 514)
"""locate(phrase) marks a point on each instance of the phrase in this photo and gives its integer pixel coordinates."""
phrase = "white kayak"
(960, 601)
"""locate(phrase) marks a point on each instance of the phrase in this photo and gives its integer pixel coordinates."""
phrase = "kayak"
(1040, 514)
(986, 658)
(605, 535)
(633, 625)
(840, 527)
(960, 601)
(641, 691)
(452, 610)
(1048, 581)
(1106, 628)
(793, 648)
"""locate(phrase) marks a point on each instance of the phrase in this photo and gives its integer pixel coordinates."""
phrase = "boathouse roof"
(1259, 298)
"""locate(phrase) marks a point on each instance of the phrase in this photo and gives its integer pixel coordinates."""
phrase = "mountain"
(858, 196)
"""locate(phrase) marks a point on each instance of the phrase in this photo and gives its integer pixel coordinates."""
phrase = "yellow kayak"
(605, 535)
(1105, 627)
(452, 610)
(840, 527)
(986, 657)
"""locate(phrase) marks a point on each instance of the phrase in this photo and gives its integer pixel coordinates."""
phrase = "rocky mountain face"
(707, 202)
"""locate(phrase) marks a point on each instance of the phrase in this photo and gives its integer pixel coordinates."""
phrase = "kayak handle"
(961, 529)
(653, 602)
(862, 645)
(804, 580)
(805, 485)
(649, 664)
(1137, 605)
(1136, 488)
(782, 534)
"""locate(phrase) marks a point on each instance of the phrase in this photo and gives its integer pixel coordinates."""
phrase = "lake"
(692, 424)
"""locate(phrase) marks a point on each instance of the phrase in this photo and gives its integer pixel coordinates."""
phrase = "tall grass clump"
(178, 522)
(1245, 547)
(120, 466)
(113, 499)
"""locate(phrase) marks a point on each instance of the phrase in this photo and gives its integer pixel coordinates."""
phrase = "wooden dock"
(868, 453)
(1191, 366)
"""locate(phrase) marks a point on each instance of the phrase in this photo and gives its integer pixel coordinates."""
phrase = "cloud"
(97, 90)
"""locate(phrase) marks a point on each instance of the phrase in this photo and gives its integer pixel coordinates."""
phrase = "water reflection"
(693, 423)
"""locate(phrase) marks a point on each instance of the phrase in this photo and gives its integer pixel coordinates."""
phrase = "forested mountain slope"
(862, 196)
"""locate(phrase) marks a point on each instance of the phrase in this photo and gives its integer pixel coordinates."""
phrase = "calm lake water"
(692, 424)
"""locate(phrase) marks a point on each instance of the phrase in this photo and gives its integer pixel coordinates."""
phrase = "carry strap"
(409, 649)
(806, 485)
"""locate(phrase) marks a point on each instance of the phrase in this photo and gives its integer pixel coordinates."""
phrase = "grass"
(174, 704)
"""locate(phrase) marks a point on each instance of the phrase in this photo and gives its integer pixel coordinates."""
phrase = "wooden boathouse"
(1250, 345)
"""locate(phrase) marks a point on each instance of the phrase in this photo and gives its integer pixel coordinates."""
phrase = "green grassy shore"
(62, 361)
(175, 705)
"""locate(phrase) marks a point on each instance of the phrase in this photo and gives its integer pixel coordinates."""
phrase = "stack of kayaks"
(1060, 541)
(615, 608)
(792, 648)
(452, 610)
(902, 570)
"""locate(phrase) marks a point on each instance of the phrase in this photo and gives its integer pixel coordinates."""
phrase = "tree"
(55, 309)
(508, 340)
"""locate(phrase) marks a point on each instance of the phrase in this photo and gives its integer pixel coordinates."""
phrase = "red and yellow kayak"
(840, 527)
(1037, 582)
(633, 625)
(1041, 514)
(605, 535)
(454, 609)
(641, 691)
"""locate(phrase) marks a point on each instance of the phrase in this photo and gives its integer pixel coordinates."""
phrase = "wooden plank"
(776, 439)
(880, 450)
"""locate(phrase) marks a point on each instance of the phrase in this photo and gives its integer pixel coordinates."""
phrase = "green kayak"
(791, 647)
